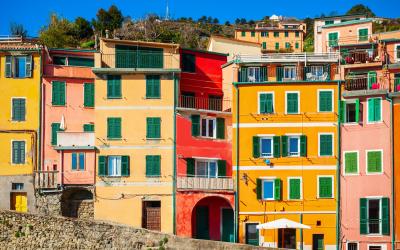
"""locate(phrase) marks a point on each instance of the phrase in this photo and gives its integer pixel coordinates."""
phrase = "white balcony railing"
(203, 183)
(75, 139)
(289, 57)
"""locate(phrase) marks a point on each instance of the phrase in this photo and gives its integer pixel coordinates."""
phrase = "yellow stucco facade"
(310, 209)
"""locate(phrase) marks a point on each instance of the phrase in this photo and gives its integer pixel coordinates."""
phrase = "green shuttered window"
(114, 128)
(18, 109)
(18, 66)
(220, 128)
(114, 87)
(190, 164)
(153, 163)
(379, 221)
(88, 97)
(55, 127)
(350, 163)
(153, 87)
(325, 100)
(325, 145)
(153, 128)
(292, 103)
(266, 104)
(58, 93)
(113, 166)
(18, 152)
(276, 46)
(333, 39)
(268, 189)
(256, 146)
(221, 168)
(264, 45)
(363, 35)
(295, 189)
(374, 161)
(325, 187)
(138, 57)
(195, 125)
(88, 127)
(276, 33)
(374, 109)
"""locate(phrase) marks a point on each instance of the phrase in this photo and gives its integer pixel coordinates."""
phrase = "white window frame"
(298, 102)
(207, 161)
(292, 68)
(333, 186)
(352, 242)
(18, 97)
(333, 144)
(269, 178)
(12, 151)
(380, 214)
(374, 122)
(397, 59)
(114, 169)
(255, 73)
(288, 187)
(344, 163)
(272, 146)
(298, 145)
(333, 97)
(358, 33)
(77, 162)
(383, 246)
(207, 127)
(352, 101)
(273, 101)
(366, 161)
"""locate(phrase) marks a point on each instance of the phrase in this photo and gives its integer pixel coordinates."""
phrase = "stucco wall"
(6, 190)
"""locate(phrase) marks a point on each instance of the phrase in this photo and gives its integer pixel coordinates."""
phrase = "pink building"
(68, 140)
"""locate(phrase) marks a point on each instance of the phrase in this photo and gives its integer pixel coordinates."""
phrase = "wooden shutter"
(325, 101)
(102, 165)
(18, 152)
(264, 45)
(372, 79)
(153, 127)
(88, 127)
(325, 187)
(149, 165)
(114, 128)
(263, 103)
(55, 127)
(285, 149)
(8, 67)
(74, 161)
(125, 165)
(88, 99)
(18, 109)
(195, 125)
(114, 86)
(350, 161)
(385, 216)
(292, 103)
(303, 145)
(221, 168)
(269, 104)
(58, 93)
(363, 216)
(28, 66)
(220, 128)
(81, 161)
(190, 162)
(279, 74)
(342, 111)
(243, 74)
(326, 145)
(377, 109)
(277, 189)
(256, 146)
(263, 74)
(62, 93)
(371, 110)
(277, 146)
(152, 86)
(294, 185)
(357, 110)
(259, 189)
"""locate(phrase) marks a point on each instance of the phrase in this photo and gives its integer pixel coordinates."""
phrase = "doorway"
(252, 236)
(318, 242)
(227, 225)
(202, 223)
(19, 202)
(287, 238)
(151, 215)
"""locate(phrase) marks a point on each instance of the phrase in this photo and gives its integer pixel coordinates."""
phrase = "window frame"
(327, 38)
(271, 137)
(120, 165)
(298, 102)
(333, 186)
(381, 118)
(358, 34)
(276, 33)
(12, 107)
(78, 161)
(366, 162)
(396, 50)
(287, 67)
(208, 118)
(207, 161)
(368, 198)
(297, 136)
(257, 74)
(352, 242)
(12, 152)
(267, 179)
(344, 163)
(319, 144)
(350, 101)
(288, 187)
(259, 98)
(332, 100)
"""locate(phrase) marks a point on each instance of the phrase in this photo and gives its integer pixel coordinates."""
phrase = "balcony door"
(202, 223)
(227, 225)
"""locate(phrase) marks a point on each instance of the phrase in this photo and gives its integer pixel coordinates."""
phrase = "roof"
(21, 46)
(355, 45)
(206, 52)
(390, 40)
(234, 40)
(73, 50)
(140, 42)
(367, 20)
(338, 16)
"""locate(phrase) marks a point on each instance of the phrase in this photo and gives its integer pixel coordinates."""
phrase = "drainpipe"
(338, 243)
(41, 106)
(393, 175)
(237, 168)
(301, 232)
(174, 161)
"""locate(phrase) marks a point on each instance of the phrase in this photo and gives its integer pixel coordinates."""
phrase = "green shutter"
(58, 93)
(325, 101)
(263, 74)
(80, 61)
(88, 127)
(114, 87)
(363, 216)
(266, 103)
(342, 112)
(153, 127)
(81, 161)
(153, 163)
(303, 145)
(243, 74)
(102, 165)
(264, 45)
(372, 79)
(286, 33)
(277, 146)
(125, 165)
(277, 190)
(259, 188)
(18, 109)
(385, 216)
(220, 128)
(114, 128)
(190, 162)
(294, 185)
(285, 149)
(292, 103)
(350, 162)
(256, 146)
(371, 110)
(195, 125)
(18, 152)
(88, 99)
(55, 127)
(363, 35)
(325, 145)
(357, 110)
(276, 46)
(374, 161)
(8, 67)
(28, 66)
(153, 86)
(221, 168)
(377, 111)
(279, 74)
(325, 187)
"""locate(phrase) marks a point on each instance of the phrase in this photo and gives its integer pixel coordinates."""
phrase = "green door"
(318, 242)
(252, 234)
(227, 225)
(202, 226)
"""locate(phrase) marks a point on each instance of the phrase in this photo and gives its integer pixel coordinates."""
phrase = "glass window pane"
(201, 169)
(266, 147)
(21, 66)
(212, 169)
(211, 128)
(293, 146)
(268, 189)
(203, 127)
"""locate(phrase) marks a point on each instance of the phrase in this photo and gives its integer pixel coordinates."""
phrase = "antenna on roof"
(167, 10)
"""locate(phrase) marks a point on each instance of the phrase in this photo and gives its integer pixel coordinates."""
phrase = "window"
(208, 126)
(266, 146)
(287, 45)
(153, 128)
(18, 152)
(268, 189)
(243, 33)
(264, 34)
(297, 33)
(375, 247)
(374, 216)
(296, 45)
(350, 111)
(58, 93)
(325, 145)
(114, 128)
(325, 187)
(289, 73)
(253, 34)
(372, 80)
(153, 163)
(153, 87)
(286, 33)
(208, 169)
(17, 186)
(266, 103)
(276, 46)
(294, 188)
(292, 103)
(374, 110)
(333, 39)
(294, 146)
(276, 33)
(363, 35)
(264, 45)
(397, 52)
(253, 74)
(88, 127)
(55, 128)
(18, 109)
(88, 97)
(351, 163)
(188, 63)
(352, 246)
(113, 166)
(80, 61)
(59, 60)
(114, 87)
(325, 101)
(18, 66)
(327, 22)
(374, 161)
(78, 161)
(316, 72)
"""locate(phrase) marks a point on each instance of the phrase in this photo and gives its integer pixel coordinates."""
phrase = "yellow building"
(20, 74)
(285, 147)
(134, 88)
(275, 36)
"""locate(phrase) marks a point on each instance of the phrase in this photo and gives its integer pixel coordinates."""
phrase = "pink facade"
(73, 115)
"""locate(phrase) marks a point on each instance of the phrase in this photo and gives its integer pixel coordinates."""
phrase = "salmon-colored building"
(205, 194)
(68, 150)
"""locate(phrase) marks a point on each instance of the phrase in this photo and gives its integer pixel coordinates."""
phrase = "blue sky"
(34, 16)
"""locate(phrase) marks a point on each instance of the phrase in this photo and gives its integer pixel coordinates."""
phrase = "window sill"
(88, 107)
(374, 173)
(374, 122)
(114, 139)
(15, 121)
(153, 176)
(153, 139)
(326, 198)
(351, 174)
(58, 105)
(350, 123)
(153, 98)
(113, 98)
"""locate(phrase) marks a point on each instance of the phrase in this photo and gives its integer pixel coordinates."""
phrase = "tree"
(215, 21)
(237, 21)
(17, 29)
(227, 23)
(108, 20)
(58, 33)
(83, 29)
(360, 9)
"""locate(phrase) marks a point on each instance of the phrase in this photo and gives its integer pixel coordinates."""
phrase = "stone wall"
(48, 203)
(32, 231)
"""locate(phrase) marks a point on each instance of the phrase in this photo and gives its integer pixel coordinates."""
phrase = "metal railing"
(374, 226)
(10, 39)
(204, 183)
(289, 57)
(359, 56)
(203, 103)
(46, 179)
(139, 60)
(397, 84)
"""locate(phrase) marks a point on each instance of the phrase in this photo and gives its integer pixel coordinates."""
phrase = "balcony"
(397, 84)
(46, 180)
(204, 103)
(205, 184)
(75, 140)
(359, 56)
(289, 57)
(363, 82)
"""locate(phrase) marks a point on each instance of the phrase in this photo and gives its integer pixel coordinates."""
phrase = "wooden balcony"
(46, 180)
(359, 56)
(202, 103)
(204, 184)
(360, 82)
(289, 57)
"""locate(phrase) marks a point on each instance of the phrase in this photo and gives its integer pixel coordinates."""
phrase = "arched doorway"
(77, 203)
(213, 219)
